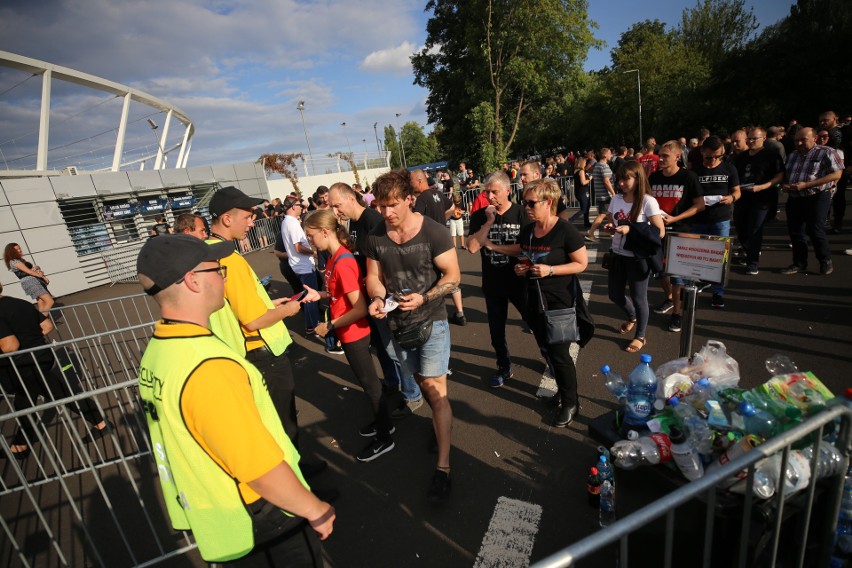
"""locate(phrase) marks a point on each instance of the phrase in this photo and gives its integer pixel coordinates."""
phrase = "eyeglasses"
(531, 202)
(222, 270)
(711, 158)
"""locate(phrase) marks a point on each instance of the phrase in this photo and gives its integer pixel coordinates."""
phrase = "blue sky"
(239, 67)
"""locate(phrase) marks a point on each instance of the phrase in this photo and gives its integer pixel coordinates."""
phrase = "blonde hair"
(326, 219)
(545, 189)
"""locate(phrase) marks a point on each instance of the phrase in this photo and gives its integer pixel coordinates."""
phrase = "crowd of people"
(371, 272)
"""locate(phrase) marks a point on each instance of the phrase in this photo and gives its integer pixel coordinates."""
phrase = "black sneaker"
(439, 489)
(751, 270)
(664, 308)
(674, 323)
(793, 269)
(718, 301)
(375, 449)
(369, 431)
(459, 319)
(336, 350)
(826, 268)
(501, 377)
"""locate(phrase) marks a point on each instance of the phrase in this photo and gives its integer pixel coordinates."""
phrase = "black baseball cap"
(229, 198)
(167, 258)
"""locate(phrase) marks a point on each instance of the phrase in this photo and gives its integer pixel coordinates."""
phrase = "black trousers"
(359, 358)
(559, 356)
(278, 374)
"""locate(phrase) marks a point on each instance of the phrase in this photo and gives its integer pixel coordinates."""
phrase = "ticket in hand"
(390, 304)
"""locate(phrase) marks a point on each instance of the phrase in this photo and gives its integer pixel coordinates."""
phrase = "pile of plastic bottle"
(696, 421)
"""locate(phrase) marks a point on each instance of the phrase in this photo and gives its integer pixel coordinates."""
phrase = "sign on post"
(698, 257)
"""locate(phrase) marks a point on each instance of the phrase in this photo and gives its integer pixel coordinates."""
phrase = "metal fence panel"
(80, 500)
(705, 489)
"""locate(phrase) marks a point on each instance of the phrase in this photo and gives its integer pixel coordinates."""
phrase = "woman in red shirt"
(344, 290)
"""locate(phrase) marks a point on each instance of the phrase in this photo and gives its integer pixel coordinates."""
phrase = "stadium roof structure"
(88, 137)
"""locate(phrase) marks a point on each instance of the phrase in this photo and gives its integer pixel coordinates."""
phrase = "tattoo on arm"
(441, 290)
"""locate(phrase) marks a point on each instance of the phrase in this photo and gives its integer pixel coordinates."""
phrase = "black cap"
(289, 201)
(167, 258)
(229, 198)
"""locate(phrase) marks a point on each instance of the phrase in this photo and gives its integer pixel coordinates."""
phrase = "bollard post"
(688, 295)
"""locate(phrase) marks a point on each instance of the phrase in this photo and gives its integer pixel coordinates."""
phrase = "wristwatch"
(330, 325)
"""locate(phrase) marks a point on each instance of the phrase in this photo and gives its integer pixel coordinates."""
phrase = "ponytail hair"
(326, 219)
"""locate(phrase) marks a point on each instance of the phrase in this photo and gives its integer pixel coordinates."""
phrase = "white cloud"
(394, 60)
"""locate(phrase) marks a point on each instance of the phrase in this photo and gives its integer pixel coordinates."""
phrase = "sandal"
(20, 454)
(627, 327)
(636, 345)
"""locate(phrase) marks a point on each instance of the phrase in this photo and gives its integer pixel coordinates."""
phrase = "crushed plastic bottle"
(702, 391)
(615, 384)
(605, 470)
(694, 426)
(647, 450)
(780, 365)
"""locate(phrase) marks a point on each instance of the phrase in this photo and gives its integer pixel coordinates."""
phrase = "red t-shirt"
(345, 278)
(480, 202)
(650, 162)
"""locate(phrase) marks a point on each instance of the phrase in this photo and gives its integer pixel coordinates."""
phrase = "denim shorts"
(432, 359)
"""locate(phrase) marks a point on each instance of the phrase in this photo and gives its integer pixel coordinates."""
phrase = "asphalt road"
(504, 446)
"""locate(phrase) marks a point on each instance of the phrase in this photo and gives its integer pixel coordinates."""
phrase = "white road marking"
(547, 386)
(508, 543)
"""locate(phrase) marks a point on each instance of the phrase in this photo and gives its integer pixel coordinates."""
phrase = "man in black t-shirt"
(679, 196)
(720, 186)
(362, 221)
(413, 258)
(492, 228)
(432, 203)
(760, 170)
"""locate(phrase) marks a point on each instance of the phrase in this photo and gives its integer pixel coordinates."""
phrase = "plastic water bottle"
(757, 422)
(615, 384)
(780, 365)
(702, 391)
(605, 470)
(641, 393)
(607, 510)
(697, 431)
(829, 462)
(685, 455)
(593, 488)
(647, 450)
(767, 473)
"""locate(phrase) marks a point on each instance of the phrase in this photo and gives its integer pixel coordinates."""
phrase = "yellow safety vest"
(199, 494)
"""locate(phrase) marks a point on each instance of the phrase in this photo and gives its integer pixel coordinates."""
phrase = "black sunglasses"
(531, 202)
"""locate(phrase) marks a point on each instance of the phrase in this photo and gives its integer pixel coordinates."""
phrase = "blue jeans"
(395, 375)
(432, 359)
(311, 310)
(806, 218)
(719, 229)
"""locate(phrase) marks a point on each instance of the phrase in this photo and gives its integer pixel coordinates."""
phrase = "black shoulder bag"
(561, 325)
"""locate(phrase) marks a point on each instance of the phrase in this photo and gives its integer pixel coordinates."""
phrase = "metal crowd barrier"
(821, 521)
(78, 320)
(262, 235)
(78, 501)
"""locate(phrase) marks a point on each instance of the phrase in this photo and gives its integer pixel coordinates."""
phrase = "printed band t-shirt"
(343, 276)
(675, 193)
(553, 248)
(498, 270)
(620, 211)
(410, 265)
(720, 181)
(433, 204)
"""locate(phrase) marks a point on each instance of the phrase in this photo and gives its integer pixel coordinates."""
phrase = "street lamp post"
(376, 132)
(401, 147)
(345, 135)
(639, 85)
(301, 108)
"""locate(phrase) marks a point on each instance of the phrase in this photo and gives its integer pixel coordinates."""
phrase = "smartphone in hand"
(299, 296)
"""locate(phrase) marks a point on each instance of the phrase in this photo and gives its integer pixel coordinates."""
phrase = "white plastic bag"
(719, 367)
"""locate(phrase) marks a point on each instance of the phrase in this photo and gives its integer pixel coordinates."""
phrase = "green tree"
(416, 145)
(487, 62)
(717, 27)
(392, 145)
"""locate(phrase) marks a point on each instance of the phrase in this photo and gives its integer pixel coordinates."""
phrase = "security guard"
(227, 469)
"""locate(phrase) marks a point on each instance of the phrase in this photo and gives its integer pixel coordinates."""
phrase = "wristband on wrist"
(378, 298)
(330, 325)
(551, 270)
